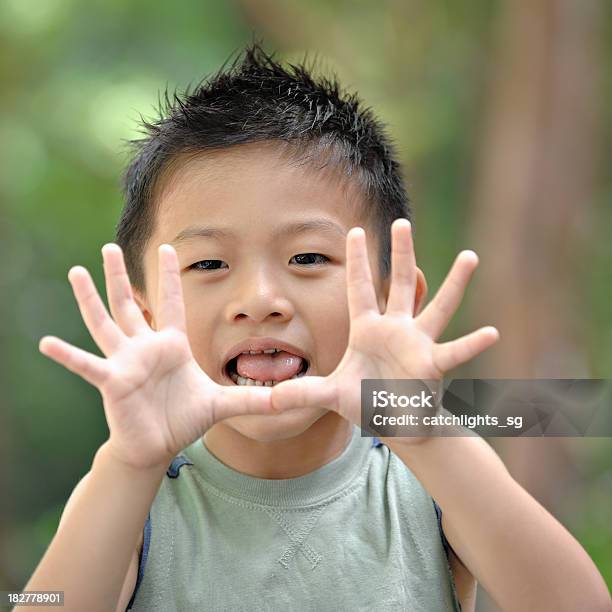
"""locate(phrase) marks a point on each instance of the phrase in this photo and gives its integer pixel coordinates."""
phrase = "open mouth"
(232, 373)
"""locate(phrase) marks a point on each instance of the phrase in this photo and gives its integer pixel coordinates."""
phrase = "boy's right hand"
(157, 399)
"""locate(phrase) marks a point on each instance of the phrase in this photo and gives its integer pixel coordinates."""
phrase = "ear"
(144, 308)
(420, 293)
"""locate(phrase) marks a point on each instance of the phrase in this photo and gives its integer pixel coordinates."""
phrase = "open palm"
(393, 345)
(157, 400)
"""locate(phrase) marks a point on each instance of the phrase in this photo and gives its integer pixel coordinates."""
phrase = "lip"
(261, 344)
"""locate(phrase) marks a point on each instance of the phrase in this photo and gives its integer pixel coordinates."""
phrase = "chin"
(268, 428)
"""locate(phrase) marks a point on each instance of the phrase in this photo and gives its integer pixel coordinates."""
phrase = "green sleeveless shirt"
(359, 533)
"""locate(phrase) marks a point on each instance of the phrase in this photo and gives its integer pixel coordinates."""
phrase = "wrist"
(108, 453)
(412, 444)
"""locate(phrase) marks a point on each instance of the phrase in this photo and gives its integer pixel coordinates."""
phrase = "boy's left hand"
(393, 345)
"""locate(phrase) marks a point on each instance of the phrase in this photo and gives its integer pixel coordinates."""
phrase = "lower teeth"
(243, 381)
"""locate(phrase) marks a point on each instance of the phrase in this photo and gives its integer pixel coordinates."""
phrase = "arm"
(131, 578)
(522, 556)
(519, 552)
(157, 401)
(97, 538)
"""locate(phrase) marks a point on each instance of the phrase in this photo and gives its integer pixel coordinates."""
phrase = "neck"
(321, 443)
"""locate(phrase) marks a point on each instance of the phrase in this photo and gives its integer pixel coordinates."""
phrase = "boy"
(255, 304)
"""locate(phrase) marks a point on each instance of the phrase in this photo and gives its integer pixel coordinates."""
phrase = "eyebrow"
(319, 225)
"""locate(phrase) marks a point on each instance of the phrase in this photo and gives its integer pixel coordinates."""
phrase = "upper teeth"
(272, 350)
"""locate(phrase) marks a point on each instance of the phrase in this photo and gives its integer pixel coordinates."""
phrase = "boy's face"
(255, 286)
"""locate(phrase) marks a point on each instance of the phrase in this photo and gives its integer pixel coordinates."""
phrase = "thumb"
(308, 391)
(237, 401)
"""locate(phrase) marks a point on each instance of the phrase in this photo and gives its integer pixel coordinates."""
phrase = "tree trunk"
(534, 188)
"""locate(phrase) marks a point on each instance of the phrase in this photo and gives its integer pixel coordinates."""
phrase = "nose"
(259, 296)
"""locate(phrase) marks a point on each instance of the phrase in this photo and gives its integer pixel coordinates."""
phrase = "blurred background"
(501, 112)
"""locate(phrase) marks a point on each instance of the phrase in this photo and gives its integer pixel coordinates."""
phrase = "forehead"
(251, 189)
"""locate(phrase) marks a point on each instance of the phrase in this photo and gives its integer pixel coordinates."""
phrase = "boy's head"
(255, 178)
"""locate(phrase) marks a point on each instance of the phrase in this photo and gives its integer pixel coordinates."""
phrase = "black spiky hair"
(257, 100)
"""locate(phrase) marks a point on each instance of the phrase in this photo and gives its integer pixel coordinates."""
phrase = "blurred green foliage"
(75, 79)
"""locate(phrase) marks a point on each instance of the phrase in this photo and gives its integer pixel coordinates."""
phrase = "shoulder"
(174, 474)
(174, 470)
(403, 490)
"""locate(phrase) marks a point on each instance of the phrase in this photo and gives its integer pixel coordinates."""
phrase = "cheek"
(329, 323)
(200, 325)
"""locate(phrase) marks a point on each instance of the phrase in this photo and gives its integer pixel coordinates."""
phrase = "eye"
(207, 264)
(306, 258)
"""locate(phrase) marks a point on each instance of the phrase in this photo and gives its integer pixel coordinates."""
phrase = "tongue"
(269, 366)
